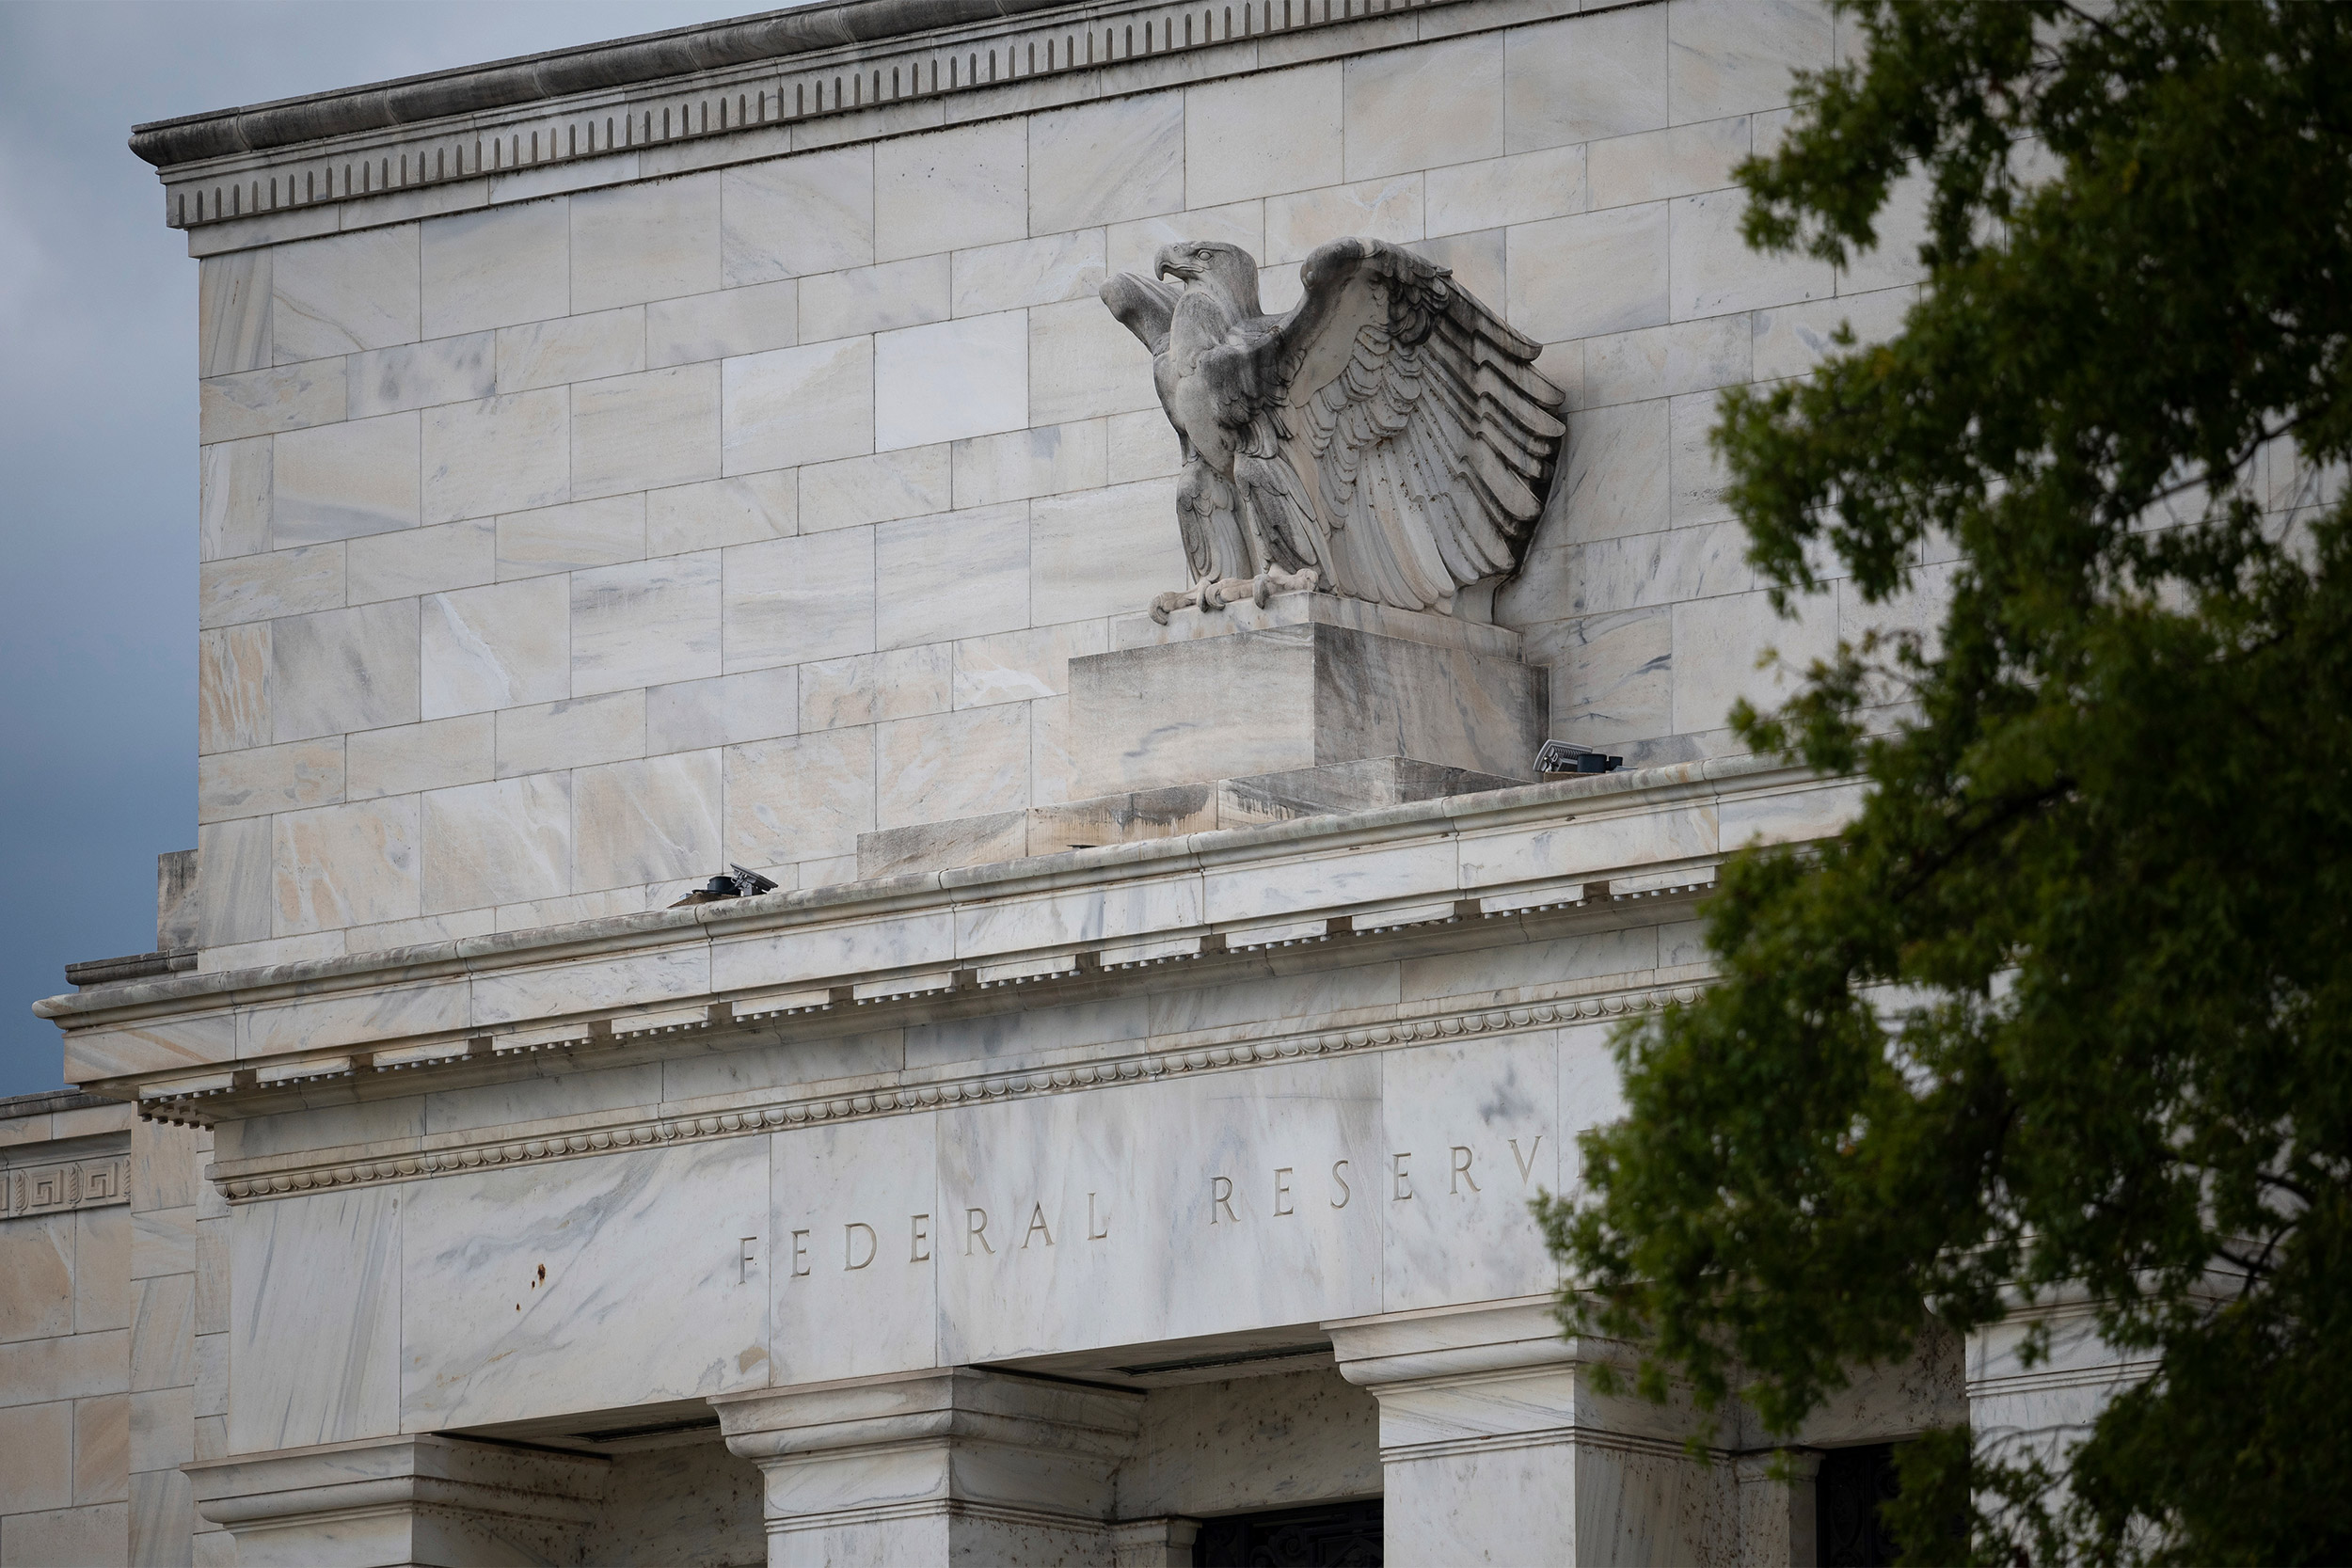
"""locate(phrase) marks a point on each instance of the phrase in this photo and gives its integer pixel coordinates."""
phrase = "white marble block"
(1306, 681)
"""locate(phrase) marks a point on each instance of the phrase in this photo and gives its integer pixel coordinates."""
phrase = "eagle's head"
(1226, 268)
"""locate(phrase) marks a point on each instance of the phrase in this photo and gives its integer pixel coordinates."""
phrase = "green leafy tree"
(2065, 1008)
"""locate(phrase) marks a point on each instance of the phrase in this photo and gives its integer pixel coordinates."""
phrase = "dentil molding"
(1111, 1069)
(756, 76)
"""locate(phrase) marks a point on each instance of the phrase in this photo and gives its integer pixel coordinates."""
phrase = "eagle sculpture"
(1388, 439)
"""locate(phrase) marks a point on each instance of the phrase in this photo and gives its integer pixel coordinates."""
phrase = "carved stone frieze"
(93, 1182)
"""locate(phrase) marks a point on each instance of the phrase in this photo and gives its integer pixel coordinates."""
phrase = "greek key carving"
(65, 1185)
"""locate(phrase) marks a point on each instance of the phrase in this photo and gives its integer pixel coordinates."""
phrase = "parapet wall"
(571, 529)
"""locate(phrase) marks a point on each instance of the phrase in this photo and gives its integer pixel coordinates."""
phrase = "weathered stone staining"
(711, 449)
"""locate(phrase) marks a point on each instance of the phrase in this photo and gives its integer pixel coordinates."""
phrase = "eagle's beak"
(1172, 262)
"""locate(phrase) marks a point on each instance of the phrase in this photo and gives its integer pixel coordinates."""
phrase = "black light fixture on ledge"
(1565, 756)
(742, 884)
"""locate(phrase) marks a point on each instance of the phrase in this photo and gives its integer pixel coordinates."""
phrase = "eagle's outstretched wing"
(1143, 306)
(1404, 442)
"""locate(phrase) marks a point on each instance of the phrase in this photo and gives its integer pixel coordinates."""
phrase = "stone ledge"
(1191, 624)
(48, 1101)
(1631, 789)
(1366, 785)
(932, 939)
(134, 966)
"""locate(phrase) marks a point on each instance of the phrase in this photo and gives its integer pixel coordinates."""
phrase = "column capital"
(1496, 1447)
(1521, 1335)
(1758, 1466)
(1161, 1543)
(384, 1501)
(1500, 1369)
(957, 1464)
(961, 1403)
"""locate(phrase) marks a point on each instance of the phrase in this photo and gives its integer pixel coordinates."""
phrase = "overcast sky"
(98, 429)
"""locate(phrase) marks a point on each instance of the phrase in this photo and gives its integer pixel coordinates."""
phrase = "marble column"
(1495, 1447)
(957, 1466)
(1776, 1515)
(423, 1501)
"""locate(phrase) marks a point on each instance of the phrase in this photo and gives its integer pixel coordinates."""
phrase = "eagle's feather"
(1391, 433)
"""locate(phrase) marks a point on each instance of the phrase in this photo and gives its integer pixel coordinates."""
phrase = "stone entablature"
(1145, 1062)
(703, 97)
(1011, 935)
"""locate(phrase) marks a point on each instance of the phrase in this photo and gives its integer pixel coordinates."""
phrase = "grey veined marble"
(1387, 439)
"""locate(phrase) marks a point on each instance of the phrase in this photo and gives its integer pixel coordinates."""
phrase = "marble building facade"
(1115, 1133)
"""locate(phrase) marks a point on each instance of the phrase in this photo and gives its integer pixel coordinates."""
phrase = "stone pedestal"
(956, 1466)
(402, 1502)
(1494, 1448)
(1308, 680)
(1239, 716)
(1147, 813)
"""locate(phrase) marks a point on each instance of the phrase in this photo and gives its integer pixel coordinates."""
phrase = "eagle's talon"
(1202, 595)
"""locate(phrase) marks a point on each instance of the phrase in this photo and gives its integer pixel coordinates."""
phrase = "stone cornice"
(48, 1101)
(618, 63)
(728, 93)
(1110, 865)
(971, 1084)
(2107, 1377)
(198, 1047)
